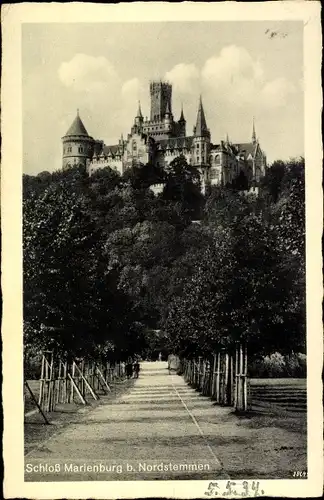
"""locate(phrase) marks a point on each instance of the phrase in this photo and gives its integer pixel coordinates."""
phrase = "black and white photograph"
(165, 324)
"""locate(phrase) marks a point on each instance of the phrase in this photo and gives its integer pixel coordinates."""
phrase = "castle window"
(198, 146)
(80, 149)
(217, 160)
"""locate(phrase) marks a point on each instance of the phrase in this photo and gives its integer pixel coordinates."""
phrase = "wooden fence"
(76, 381)
(223, 377)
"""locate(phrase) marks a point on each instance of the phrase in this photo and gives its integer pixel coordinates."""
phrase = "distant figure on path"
(173, 363)
(160, 356)
(136, 369)
(129, 369)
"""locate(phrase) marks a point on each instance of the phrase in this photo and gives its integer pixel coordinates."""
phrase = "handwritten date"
(235, 488)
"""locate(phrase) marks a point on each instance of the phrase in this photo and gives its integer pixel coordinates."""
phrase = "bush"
(296, 365)
(278, 366)
(32, 366)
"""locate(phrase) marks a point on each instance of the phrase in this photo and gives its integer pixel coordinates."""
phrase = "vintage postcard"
(161, 250)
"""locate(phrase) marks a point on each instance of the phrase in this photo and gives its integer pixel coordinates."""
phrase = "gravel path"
(163, 429)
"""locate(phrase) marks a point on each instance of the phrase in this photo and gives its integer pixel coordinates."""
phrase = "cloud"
(88, 73)
(276, 92)
(234, 86)
(234, 76)
(233, 64)
(184, 77)
(131, 91)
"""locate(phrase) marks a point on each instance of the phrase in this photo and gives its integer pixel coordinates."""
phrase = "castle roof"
(253, 133)
(182, 118)
(201, 125)
(77, 127)
(139, 112)
(175, 143)
(244, 148)
(247, 147)
(113, 150)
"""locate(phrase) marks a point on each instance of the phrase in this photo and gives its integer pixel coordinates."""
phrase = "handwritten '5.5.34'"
(234, 488)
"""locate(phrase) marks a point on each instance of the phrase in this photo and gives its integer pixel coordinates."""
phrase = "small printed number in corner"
(300, 474)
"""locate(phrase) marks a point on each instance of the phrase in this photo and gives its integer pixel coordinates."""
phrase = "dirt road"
(163, 429)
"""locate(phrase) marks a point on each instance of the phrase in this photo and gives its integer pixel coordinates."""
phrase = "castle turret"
(167, 111)
(78, 146)
(182, 124)
(201, 145)
(139, 116)
(168, 117)
(201, 130)
(201, 139)
(254, 139)
(138, 121)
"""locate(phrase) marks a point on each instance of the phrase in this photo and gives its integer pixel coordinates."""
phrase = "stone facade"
(161, 138)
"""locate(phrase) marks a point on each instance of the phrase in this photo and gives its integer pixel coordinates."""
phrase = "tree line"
(110, 269)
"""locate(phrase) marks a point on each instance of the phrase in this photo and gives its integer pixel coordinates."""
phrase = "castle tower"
(168, 118)
(138, 122)
(78, 146)
(201, 139)
(182, 124)
(139, 116)
(254, 139)
(161, 96)
(201, 145)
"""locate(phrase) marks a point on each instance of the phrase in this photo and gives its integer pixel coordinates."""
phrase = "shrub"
(276, 366)
(32, 366)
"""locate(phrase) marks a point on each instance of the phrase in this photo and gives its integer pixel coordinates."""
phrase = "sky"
(241, 69)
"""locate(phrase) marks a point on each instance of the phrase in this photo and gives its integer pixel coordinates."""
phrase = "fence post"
(218, 378)
(241, 386)
(236, 377)
(212, 389)
(41, 388)
(241, 379)
(226, 389)
(245, 380)
(72, 385)
(203, 374)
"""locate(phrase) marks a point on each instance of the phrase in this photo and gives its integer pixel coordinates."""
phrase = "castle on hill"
(160, 139)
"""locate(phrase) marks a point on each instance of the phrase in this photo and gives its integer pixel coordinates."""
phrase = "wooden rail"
(223, 377)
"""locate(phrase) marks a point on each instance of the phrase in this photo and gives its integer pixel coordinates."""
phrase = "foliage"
(183, 185)
(107, 264)
(277, 365)
(143, 176)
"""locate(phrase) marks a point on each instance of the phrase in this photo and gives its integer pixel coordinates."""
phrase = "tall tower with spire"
(201, 143)
(254, 139)
(78, 146)
(138, 122)
(182, 124)
(201, 137)
(168, 120)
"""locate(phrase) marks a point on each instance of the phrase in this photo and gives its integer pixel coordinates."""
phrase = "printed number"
(299, 473)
